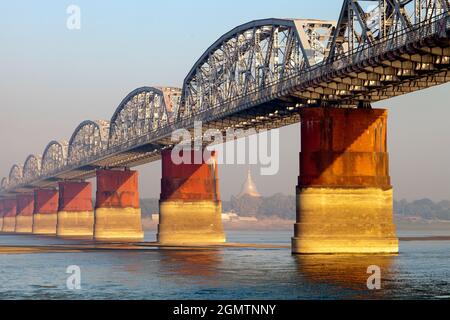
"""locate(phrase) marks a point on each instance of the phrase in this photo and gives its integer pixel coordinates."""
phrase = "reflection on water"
(347, 272)
(194, 263)
(421, 270)
(198, 267)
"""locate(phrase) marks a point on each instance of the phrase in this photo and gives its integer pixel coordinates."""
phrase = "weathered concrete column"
(75, 210)
(24, 217)
(190, 208)
(9, 215)
(344, 195)
(45, 215)
(117, 209)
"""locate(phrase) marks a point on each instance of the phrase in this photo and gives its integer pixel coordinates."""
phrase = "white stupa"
(249, 188)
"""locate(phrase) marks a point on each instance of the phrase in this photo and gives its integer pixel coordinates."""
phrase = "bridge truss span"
(15, 175)
(54, 157)
(383, 49)
(251, 58)
(89, 139)
(143, 111)
(32, 168)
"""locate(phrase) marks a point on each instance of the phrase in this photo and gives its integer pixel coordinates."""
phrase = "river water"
(421, 271)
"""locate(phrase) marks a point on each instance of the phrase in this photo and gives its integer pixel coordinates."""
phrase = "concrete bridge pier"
(9, 215)
(24, 217)
(75, 210)
(45, 215)
(117, 209)
(344, 194)
(190, 208)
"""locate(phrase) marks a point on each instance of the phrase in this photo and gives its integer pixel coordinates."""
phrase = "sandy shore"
(143, 246)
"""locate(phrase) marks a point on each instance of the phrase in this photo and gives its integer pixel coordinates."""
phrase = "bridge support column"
(24, 217)
(344, 196)
(190, 208)
(75, 210)
(117, 209)
(9, 215)
(45, 216)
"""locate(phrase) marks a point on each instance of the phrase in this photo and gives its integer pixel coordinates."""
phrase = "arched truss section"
(252, 57)
(54, 157)
(363, 22)
(89, 139)
(4, 184)
(142, 111)
(172, 100)
(32, 167)
(15, 175)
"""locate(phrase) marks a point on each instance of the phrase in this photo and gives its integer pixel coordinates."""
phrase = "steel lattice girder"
(32, 168)
(363, 22)
(54, 156)
(144, 110)
(15, 175)
(90, 138)
(251, 57)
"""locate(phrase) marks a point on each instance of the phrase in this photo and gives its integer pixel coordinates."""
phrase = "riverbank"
(260, 225)
(409, 224)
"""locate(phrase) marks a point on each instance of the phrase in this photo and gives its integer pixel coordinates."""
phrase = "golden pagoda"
(249, 188)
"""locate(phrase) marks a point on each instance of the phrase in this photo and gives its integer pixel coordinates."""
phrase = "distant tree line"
(279, 205)
(149, 207)
(284, 207)
(276, 206)
(424, 208)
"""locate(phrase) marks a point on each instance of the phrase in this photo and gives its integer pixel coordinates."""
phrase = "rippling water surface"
(422, 270)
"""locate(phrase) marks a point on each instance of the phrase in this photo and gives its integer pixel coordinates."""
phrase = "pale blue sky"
(51, 79)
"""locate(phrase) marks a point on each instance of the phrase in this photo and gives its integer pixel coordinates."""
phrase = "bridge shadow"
(117, 189)
(196, 180)
(46, 201)
(344, 148)
(75, 196)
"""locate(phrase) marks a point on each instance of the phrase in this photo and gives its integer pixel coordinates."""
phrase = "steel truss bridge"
(258, 75)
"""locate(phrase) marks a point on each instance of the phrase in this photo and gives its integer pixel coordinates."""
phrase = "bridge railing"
(277, 88)
(436, 25)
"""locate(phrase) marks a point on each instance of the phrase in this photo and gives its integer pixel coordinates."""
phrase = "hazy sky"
(52, 78)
